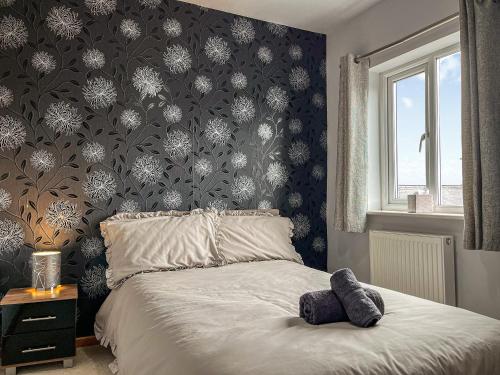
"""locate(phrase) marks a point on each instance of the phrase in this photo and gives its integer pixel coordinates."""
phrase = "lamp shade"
(46, 273)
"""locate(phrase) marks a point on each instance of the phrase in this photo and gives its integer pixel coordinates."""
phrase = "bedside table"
(38, 327)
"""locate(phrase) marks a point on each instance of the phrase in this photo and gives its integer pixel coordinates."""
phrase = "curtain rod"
(409, 37)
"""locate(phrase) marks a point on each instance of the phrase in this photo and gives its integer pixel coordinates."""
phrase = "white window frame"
(427, 64)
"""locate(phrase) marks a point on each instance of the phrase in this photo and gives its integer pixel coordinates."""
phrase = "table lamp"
(46, 274)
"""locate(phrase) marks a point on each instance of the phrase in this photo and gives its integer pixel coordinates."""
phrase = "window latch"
(422, 139)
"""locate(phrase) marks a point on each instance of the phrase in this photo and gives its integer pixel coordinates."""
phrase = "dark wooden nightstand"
(38, 327)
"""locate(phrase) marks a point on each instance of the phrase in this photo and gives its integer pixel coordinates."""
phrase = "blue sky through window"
(410, 125)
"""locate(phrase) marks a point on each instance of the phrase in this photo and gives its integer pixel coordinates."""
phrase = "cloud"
(449, 67)
(407, 102)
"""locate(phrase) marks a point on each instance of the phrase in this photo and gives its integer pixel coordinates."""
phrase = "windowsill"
(426, 215)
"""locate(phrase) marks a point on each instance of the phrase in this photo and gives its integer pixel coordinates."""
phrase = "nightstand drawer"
(33, 317)
(38, 346)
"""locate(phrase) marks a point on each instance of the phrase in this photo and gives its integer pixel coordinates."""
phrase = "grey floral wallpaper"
(136, 105)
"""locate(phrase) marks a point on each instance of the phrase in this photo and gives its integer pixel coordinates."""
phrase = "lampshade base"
(46, 290)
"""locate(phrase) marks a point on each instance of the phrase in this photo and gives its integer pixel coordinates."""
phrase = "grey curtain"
(480, 45)
(352, 147)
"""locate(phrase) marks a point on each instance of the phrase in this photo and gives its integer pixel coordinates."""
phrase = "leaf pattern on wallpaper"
(139, 105)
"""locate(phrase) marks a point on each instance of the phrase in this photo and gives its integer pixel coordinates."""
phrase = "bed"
(243, 319)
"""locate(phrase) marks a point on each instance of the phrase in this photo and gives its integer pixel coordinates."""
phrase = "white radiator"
(422, 265)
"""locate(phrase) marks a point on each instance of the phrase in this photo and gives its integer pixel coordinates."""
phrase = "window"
(420, 113)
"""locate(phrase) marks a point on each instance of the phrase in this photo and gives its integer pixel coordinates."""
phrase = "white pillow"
(252, 212)
(157, 243)
(143, 215)
(254, 238)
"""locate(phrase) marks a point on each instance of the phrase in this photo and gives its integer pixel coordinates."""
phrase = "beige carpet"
(90, 360)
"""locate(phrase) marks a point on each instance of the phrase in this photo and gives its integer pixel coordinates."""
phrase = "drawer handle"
(42, 349)
(50, 317)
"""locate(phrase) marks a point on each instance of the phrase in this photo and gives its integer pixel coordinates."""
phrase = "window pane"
(450, 144)
(409, 101)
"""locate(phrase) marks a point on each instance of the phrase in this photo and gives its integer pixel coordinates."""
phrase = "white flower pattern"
(6, 96)
(99, 92)
(323, 211)
(92, 247)
(295, 200)
(239, 160)
(93, 152)
(277, 98)
(318, 100)
(299, 79)
(93, 58)
(12, 133)
(62, 117)
(172, 199)
(242, 30)
(130, 29)
(217, 205)
(203, 167)
(276, 29)
(11, 236)
(172, 114)
(5, 199)
(172, 28)
(62, 215)
(318, 244)
(265, 55)
(243, 109)
(265, 132)
(13, 32)
(177, 59)
(217, 132)
(177, 144)
(264, 205)
(64, 22)
(302, 226)
(277, 175)
(129, 205)
(42, 160)
(295, 126)
(217, 50)
(239, 81)
(323, 140)
(130, 118)
(6, 3)
(318, 172)
(243, 188)
(295, 52)
(93, 282)
(43, 62)
(151, 4)
(299, 153)
(101, 7)
(147, 81)
(99, 186)
(147, 169)
(203, 84)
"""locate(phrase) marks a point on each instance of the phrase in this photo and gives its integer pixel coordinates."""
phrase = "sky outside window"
(410, 111)
(410, 125)
(449, 96)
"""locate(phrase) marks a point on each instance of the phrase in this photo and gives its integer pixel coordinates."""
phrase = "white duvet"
(242, 319)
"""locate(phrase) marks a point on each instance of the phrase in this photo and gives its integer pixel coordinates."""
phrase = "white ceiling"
(313, 15)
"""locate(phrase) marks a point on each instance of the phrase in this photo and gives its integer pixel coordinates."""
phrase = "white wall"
(477, 272)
